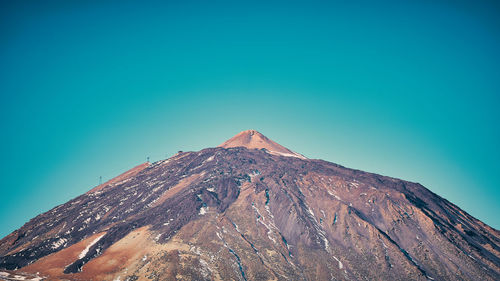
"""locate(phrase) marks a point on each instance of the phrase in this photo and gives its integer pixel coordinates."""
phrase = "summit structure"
(252, 209)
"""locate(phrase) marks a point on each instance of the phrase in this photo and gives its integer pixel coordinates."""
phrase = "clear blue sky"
(409, 89)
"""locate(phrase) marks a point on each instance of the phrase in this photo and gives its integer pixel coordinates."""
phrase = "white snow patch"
(144, 258)
(261, 220)
(310, 212)
(59, 243)
(269, 211)
(205, 269)
(319, 229)
(195, 250)
(4, 274)
(86, 250)
(211, 189)
(340, 263)
(385, 246)
(334, 195)
(203, 210)
(157, 237)
(254, 174)
(287, 154)
(19, 277)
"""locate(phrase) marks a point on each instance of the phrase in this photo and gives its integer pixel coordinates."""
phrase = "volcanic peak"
(252, 139)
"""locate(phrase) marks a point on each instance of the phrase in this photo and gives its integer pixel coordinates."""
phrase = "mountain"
(252, 209)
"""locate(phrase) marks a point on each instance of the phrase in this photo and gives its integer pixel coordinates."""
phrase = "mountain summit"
(243, 211)
(254, 140)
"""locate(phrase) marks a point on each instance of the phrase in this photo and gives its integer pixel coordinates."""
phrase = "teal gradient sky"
(409, 89)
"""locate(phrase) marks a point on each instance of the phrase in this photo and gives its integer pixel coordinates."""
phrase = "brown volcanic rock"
(241, 213)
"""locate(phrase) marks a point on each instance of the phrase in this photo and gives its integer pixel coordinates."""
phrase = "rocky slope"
(253, 210)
